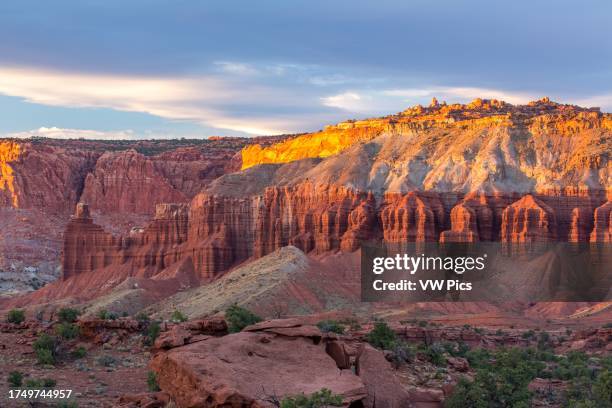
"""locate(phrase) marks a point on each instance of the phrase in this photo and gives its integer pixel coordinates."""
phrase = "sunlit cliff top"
(536, 116)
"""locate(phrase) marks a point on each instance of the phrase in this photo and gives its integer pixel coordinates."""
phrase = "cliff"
(542, 117)
(485, 171)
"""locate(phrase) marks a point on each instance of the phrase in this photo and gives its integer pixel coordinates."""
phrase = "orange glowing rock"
(9, 152)
(538, 116)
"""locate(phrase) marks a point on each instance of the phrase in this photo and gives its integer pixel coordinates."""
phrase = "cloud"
(391, 100)
(236, 68)
(601, 101)
(61, 133)
(203, 99)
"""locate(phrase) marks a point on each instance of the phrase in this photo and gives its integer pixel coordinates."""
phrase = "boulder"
(246, 368)
(384, 388)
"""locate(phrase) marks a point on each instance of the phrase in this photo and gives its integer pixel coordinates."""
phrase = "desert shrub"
(478, 357)
(178, 317)
(544, 341)
(33, 383)
(106, 360)
(529, 334)
(49, 382)
(106, 315)
(458, 349)
(79, 352)
(151, 332)
(45, 357)
(423, 323)
(67, 404)
(15, 316)
(401, 353)
(67, 330)
(607, 325)
(382, 336)
(15, 379)
(238, 318)
(501, 379)
(45, 347)
(602, 389)
(331, 326)
(319, 399)
(68, 315)
(152, 382)
(435, 354)
(467, 394)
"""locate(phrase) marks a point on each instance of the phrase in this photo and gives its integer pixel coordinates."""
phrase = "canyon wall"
(218, 232)
(484, 171)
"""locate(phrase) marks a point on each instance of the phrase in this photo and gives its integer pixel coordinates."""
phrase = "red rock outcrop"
(242, 369)
(528, 221)
(86, 245)
(602, 230)
(471, 220)
(128, 182)
(311, 217)
(414, 217)
(35, 175)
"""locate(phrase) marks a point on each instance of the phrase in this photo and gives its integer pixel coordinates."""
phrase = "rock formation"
(528, 221)
(128, 182)
(602, 231)
(485, 171)
(86, 245)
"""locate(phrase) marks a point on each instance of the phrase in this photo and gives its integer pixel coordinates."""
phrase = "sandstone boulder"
(244, 369)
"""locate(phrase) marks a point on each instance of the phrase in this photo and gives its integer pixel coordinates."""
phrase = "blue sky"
(176, 68)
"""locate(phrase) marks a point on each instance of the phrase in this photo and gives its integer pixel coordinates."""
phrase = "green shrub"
(15, 379)
(478, 357)
(529, 334)
(607, 325)
(106, 315)
(152, 382)
(544, 341)
(151, 332)
(401, 353)
(15, 316)
(319, 399)
(68, 315)
(67, 330)
(467, 394)
(435, 354)
(423, 323)
(45, 347)
(458, 349)
(602, 389)
(501, 379)
(331, 326)
(49, 382)
(238, 318)
(382, 336)
(45, 357)
(178, 317)
(79, 352)
(67, 404)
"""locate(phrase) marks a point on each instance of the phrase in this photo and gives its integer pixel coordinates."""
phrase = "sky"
(176, 68)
